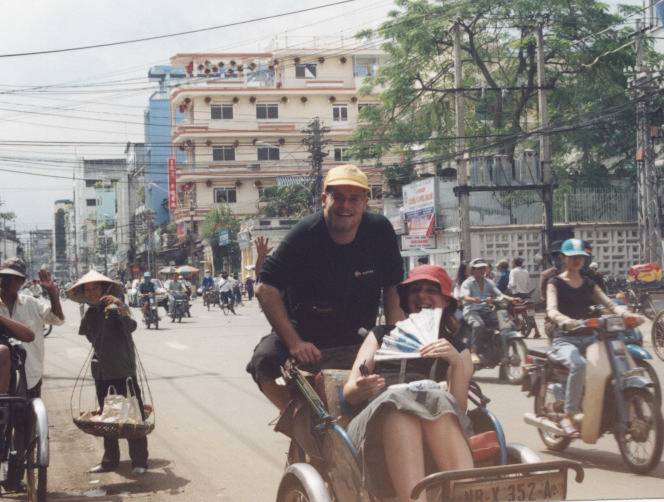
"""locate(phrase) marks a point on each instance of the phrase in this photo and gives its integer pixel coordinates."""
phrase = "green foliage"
(588, 104)
(285, 201)
(220, 217)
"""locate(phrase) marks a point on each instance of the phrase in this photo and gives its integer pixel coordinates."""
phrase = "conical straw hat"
(76, 294)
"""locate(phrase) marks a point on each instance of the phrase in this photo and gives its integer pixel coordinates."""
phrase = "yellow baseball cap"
(348, 174)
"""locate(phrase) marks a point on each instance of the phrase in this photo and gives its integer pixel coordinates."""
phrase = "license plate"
(546, 486)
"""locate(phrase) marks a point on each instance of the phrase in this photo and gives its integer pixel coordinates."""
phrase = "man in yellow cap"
(323, 282)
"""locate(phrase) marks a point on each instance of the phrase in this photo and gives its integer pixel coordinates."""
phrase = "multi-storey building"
(238, 123)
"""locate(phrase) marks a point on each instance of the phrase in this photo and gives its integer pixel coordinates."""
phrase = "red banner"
(172, 197)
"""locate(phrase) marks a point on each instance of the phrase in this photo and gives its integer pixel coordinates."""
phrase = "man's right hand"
(305, 352)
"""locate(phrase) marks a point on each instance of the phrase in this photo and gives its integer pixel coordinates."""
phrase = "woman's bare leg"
(404, 452)
(447, 443)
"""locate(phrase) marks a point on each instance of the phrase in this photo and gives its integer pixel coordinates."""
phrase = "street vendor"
(324, 281)
(108, 325)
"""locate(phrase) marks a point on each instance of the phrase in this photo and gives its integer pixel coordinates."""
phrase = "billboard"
(172, 197)
(419, 204)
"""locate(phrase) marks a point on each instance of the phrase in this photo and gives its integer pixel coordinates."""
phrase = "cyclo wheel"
(647, 306)
(36, 475)
(517, 352)
(552, 441)
(292, 490)
(657, 335)
(641, 444)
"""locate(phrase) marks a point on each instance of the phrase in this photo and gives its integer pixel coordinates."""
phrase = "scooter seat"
(542, 352)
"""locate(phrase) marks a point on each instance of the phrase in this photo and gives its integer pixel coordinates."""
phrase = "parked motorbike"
(618, 397)
(504, 346)
(150, 314)
(180, 306)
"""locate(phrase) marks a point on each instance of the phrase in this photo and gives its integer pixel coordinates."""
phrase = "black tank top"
(574, 302)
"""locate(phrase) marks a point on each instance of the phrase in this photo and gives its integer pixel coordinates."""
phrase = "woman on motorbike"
(403, 426)
(569, 298)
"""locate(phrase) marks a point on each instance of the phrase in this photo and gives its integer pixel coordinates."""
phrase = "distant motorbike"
(150, 312)
(619, 397)
(504, 347)
(180, 307)
(524, 318)
(210, 297)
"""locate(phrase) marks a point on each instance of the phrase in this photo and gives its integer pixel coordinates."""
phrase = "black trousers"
(138, 448)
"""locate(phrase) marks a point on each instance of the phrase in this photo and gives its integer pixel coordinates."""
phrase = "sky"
(90, 103)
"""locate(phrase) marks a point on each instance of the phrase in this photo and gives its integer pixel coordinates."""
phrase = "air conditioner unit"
(254, 166)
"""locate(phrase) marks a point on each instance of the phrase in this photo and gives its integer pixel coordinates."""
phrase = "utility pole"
(105, 253)
(314, 142)
(642, 85)
(462, 172)
(192, 235)
(545, 143)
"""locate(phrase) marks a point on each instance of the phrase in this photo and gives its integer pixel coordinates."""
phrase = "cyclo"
(23, 433)
(324, 466)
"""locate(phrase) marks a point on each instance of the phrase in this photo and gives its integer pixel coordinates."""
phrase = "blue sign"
(224, 238)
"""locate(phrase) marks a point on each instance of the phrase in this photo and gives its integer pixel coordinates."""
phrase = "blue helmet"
(147, 275)
(574, 247)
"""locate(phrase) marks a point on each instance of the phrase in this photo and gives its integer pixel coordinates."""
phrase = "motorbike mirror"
(594, 323)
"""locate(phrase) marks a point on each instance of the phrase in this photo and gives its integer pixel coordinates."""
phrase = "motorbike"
(210, 297)
(618, 397)
(523, 314)
(504, 346)
(150, 314)
(180, 307)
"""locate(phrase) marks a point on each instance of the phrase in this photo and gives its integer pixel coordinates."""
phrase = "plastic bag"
(121, 409)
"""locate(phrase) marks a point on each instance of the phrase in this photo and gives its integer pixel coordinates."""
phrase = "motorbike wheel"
(657, 335)
(657, 389)
(516, 353)
(156, 322)
(552, 441)
(224, 308)
(147, 324)
(641, 445)
(647, 307)
(292, 490)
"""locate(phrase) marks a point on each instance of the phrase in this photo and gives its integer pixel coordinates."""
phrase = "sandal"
(569, 428)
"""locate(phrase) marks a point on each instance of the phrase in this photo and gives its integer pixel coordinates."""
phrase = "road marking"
(177, 346)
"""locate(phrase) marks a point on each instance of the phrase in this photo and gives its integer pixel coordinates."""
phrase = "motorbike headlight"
(615, 323)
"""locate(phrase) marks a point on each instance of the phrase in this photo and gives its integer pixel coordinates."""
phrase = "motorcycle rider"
(145, 289)
(226, 291)
(478, 294)
(175, 287)
(569, 297)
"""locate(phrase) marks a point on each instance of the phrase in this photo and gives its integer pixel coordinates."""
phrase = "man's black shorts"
(269, 355)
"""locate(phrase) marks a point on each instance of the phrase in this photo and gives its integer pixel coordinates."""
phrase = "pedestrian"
(323, 283)
(519, 282)
(34, 313)
(503, 275)
(108, 326)
(249, 287)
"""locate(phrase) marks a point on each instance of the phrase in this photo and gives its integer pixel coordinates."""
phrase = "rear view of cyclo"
(23, 434)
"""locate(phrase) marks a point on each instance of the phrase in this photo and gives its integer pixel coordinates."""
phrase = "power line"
(177, 34)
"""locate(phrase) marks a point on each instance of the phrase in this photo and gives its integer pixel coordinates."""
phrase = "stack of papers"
(410, 335)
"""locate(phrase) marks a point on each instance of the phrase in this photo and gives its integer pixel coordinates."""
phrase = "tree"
(285, 202)
(586, 50)
(220, 217)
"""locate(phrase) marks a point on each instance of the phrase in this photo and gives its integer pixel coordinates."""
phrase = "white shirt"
(226, 285)
(519, 281)
(34, 314)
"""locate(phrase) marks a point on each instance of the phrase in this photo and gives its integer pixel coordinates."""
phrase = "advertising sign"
(419, 204)
(409, 242)
(224, 238)
(172, 197)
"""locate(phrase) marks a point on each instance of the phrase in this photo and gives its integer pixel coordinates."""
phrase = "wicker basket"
(114, 430)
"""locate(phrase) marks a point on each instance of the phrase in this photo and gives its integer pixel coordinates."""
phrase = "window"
(305, 70)
(91, 183)
(376, 192)
(90, 202)
(228, 195)
(341, 153)
(366, 66)
(267, 153)
(221, 112)
(261, 192)
(362, 106)
(220, 153)
(340, 113)
(267, 111)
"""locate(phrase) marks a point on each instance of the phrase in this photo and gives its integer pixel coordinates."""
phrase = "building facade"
(62, 238)
(239, 120)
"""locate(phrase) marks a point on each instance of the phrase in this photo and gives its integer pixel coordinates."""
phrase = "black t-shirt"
(332, 290)
(574, 302)
(145, 288)
(417, 368)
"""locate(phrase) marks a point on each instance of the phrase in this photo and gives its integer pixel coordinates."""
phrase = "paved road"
(213, 440)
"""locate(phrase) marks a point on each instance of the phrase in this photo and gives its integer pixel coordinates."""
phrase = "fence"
(595, 205)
